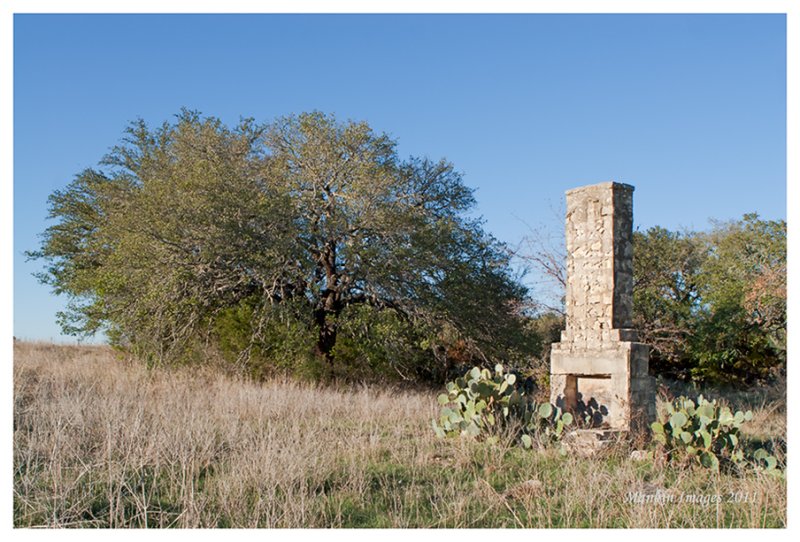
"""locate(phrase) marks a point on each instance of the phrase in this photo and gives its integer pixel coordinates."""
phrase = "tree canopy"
(302, 234)
(713, 304)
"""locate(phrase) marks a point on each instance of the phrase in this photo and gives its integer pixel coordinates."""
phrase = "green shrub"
(264, 340)
(708, 433)
(480, 402)
(379, 345)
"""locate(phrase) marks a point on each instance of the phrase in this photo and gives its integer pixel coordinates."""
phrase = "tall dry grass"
(103, 442)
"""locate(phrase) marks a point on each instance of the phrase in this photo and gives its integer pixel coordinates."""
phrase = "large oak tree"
(314, 216)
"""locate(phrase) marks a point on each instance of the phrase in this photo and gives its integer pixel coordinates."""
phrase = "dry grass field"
(103, 442)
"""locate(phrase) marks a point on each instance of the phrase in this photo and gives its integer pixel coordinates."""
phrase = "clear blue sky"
(691, 109)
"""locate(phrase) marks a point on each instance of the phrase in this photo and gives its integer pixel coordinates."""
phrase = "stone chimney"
(599, 369)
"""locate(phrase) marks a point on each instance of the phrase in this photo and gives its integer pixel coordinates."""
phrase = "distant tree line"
(309, 246)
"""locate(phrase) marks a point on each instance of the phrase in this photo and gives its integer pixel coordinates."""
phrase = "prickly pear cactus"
(706, 431)
(544, 422)
(475, 401)
(480, 401)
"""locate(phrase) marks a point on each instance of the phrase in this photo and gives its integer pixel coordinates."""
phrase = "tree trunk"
(326, 339)
(330, 306)
(324, 317)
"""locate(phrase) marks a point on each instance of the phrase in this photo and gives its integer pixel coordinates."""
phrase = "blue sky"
(691, 109)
